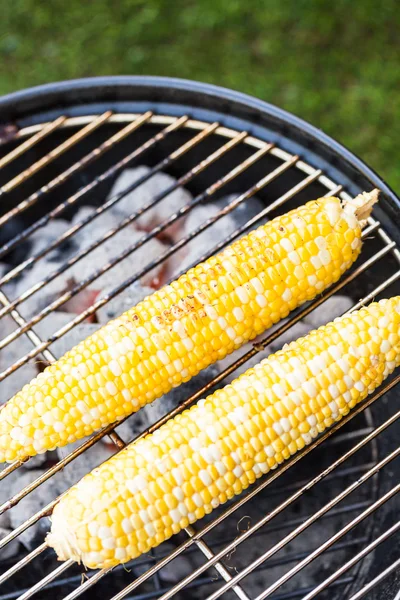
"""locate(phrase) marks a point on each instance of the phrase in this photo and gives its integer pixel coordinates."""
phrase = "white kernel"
(38, 446)
(235, 457)
(38, 435)
(343, 365)
(48, 418)
(205, 477)
(360, 387)
(287, 245)
(177, 475)
(109, 544)
(269, 451)
(144, 516)
(312, 280)
(277, 427)
(348, 381)
(92, 558)
(222, 322)
(128, 344)
(150, 529)
(385, 346)
(194, 443)
(163, 356)
(287, 295)
(294, 257)
(87, 418)
(198, 500)
(299, 375)
(214, 502)
(333, 406)
(184, 373)
(261, 301)
(188, 343)
(347, 397)
(333, 391)
(177, 456)
(278, 390)
(206, 454)
(111, 388)
(115, 368)
(325, 257)
(211, 312)
(242, 295)
(212, 433)
(227, 265)
(316, 262)
(120, 554)
(221, 468)
(321, 242)
(310, 389)
(238, 314)
(295, 362)
(335, 352)
(183, 509)
(307, 438)
(127, 395)
(312, 420)
(256, 470)
(178, 365)
(104, 532)
(231, 333)
(257, 285)
(238, 471)
(383, 322)
(142, 332)
(58, 426)
(179, 329)
(299, 272)
(178, 493)
(127, 526)
(286, 426)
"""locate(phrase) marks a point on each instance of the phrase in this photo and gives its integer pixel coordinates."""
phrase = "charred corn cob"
(216, 449)
(174, 333)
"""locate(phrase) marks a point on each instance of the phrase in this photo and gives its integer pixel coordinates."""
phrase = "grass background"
(335, 64)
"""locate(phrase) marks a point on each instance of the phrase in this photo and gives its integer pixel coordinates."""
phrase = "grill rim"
(173, 95)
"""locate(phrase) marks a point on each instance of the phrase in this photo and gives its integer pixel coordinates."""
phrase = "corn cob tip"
(63, 540)
(362, 205)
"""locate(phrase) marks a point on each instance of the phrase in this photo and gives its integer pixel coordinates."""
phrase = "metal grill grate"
(290, 552)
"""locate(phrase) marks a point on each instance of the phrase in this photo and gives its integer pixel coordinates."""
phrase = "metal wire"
(26, 327)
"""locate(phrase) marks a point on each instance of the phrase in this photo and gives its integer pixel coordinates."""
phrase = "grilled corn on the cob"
(216, 449)
(174, 333)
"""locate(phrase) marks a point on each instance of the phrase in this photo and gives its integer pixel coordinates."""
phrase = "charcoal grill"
(324, 525)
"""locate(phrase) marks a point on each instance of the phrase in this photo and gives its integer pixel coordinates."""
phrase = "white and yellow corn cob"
(216, 449)
(184, 327)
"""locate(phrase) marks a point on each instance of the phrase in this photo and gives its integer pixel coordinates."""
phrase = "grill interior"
(293, 533)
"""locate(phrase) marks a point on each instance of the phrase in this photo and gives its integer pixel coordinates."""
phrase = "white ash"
(56, 321)
(84, 463)
(125, 300)
(333, 307)
(53, 230)
(11, 549)
(146, 193)
(9, 355)
(107, 251)
(34, 502)
(97, 226)
(246, 210)
(202, 243)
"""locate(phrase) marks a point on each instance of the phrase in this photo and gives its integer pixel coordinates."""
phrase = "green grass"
(335, 63)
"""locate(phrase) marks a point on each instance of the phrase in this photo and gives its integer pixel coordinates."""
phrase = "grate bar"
(76, 167)
(272, 588)
(46, 160)
(312, 520)
(32, 141)
(43, 582)
(58, 210)
(374, 582)
(366, 550)
(96, 305)
(22, 563)
(283, 468)
(106, 206)
(219, 567)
